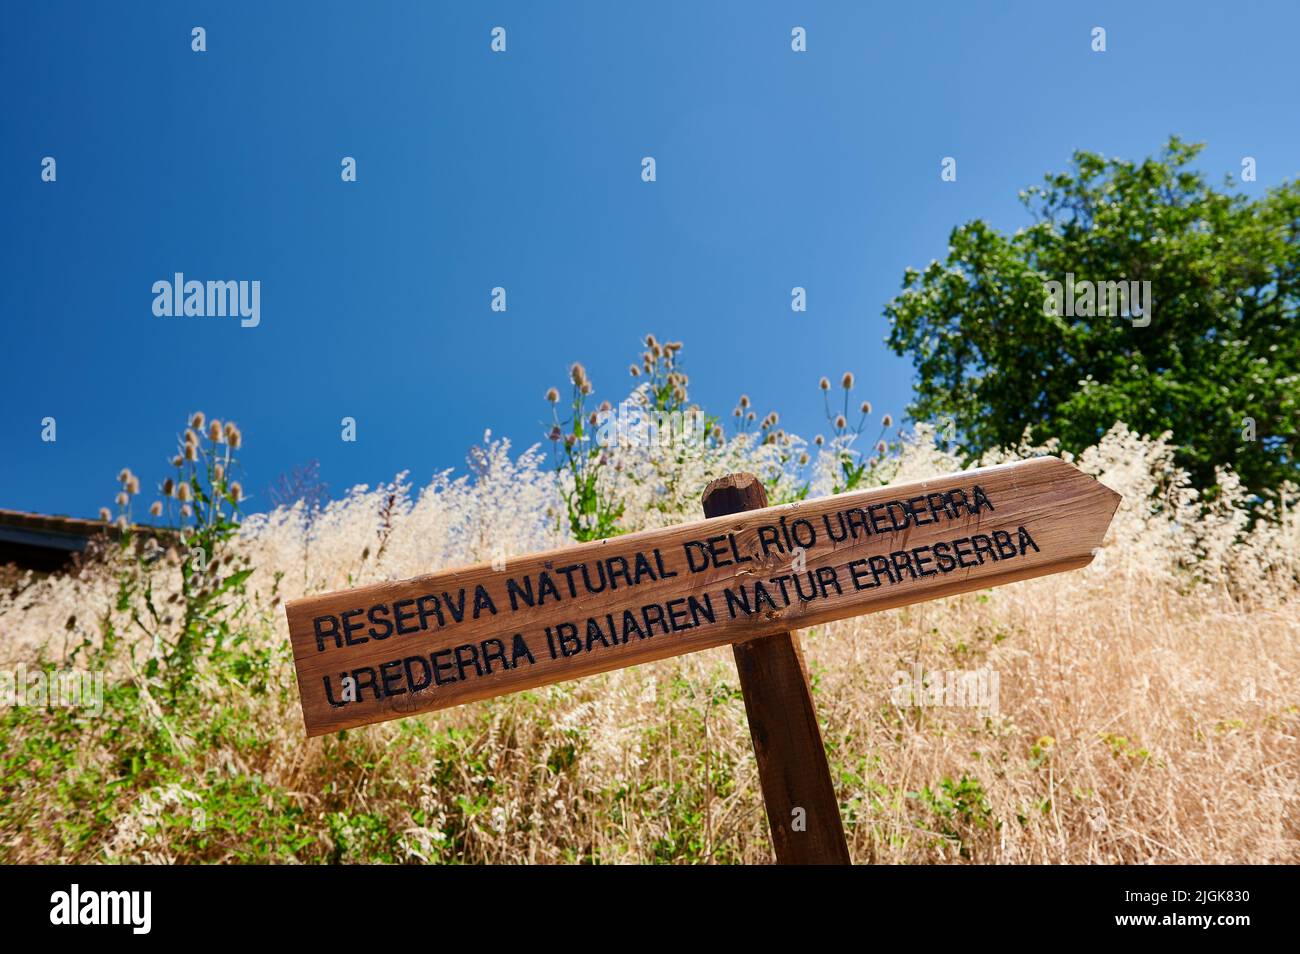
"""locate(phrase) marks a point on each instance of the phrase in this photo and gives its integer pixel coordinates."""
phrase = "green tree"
(1221, 345)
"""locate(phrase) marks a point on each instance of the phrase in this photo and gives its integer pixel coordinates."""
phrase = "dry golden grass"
(1146, 713)
(1134, 727)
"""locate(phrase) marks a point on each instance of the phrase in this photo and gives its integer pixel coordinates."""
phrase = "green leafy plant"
(1216, 365)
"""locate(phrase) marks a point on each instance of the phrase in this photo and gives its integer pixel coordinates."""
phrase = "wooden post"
(797, 787)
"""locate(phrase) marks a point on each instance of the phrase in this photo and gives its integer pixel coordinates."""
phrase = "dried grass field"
(1145, 707)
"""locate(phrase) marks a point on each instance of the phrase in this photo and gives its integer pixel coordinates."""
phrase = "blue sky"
(522, 170)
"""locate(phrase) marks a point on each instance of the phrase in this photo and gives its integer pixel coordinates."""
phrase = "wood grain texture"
(792, 769)
(504, 646)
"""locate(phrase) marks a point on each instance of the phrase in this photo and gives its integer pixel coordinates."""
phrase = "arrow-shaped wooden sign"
(388, 650)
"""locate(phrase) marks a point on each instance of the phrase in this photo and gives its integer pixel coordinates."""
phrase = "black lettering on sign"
(439, 640)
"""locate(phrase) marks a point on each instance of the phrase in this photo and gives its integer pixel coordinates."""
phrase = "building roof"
(38, 541)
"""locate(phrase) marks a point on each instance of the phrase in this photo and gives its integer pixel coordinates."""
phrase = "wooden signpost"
(747, 575)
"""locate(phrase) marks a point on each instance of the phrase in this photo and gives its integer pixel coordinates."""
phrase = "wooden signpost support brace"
(802, 810)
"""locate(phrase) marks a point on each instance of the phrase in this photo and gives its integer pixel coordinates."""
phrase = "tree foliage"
(1221, 349)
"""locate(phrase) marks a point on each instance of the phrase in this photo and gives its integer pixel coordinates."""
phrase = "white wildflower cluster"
(659, 474)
